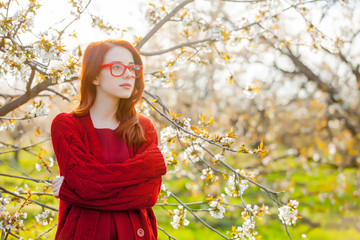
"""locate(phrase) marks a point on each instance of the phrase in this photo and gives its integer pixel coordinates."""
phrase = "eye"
(117, 67)
(135, 68)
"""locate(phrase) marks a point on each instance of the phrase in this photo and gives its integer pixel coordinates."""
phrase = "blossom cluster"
(164, 193)
(192, 18)
(247, 230)
(178, 219)
(6, 127)
(218, 158)
(9, 221)
(208, 176)
(45, 218)
(235, 188)
(226, 141)
(168, 135)
(154, 13)
(288, 214)
(37, 109)
(217, 209)
(255, 211)
(43, 163)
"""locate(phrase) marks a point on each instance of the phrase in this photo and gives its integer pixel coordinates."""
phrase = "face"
(115, 87)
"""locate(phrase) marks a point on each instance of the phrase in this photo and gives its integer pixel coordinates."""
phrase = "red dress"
(113, 225)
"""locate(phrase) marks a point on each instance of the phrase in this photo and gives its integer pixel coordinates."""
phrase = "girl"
(108, 155)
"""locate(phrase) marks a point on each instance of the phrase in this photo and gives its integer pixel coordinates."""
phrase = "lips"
(126, 85)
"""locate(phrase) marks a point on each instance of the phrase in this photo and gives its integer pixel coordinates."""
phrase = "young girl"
(108, 155)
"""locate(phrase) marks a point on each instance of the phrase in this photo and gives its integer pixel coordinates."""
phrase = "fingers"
(57, 182)
(56, 185)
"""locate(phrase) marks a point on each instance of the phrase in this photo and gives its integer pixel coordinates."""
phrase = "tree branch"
(161, 23)
(25, 97)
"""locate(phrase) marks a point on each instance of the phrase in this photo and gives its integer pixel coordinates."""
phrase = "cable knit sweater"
(90, 185)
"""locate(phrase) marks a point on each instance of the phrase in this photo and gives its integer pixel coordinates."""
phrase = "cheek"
(106, 78)
(105, 74)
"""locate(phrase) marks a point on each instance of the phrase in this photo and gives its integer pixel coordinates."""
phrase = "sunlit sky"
(127, 15)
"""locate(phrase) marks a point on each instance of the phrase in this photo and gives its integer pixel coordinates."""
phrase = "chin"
(124, 96)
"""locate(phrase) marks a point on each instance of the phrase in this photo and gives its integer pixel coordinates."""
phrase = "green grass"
(327, 213)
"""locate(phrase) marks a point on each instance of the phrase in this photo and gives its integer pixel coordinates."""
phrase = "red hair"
(126, 113)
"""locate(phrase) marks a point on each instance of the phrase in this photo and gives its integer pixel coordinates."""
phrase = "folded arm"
(90, 183)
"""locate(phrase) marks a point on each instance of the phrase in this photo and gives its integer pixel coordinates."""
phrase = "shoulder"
(146, 123)
(64, 117)
(65, 121)
(148, 128)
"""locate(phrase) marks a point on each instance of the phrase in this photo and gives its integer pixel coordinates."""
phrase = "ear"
(96, 81)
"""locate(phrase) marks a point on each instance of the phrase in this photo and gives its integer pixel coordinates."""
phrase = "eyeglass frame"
(125, 66)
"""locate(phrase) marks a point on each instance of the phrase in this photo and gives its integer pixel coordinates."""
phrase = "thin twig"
(170, 237)
(17, 169)
(23, 118)
(186, 44)
(31, 200)
(198, 218)
(58, 93)
(26, 178)
(23, 148)
(46, 231)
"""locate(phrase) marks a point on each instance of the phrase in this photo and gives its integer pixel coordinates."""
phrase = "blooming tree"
(238, 94)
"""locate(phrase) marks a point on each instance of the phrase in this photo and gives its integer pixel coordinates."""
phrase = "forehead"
(118, 54)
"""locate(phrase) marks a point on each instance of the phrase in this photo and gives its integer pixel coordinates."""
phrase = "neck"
(104, 109)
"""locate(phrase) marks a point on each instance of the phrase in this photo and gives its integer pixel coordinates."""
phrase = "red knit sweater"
(90, 185)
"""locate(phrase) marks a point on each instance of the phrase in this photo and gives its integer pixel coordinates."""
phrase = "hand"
(56, 184)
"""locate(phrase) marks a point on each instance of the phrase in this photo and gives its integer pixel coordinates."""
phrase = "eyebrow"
(121, 62)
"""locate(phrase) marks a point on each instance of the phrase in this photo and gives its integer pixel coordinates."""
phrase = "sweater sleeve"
(142, 195)
(86, 179)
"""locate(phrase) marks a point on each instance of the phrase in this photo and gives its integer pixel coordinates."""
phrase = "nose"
(127, 73)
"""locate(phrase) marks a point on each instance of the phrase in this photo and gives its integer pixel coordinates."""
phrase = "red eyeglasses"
(118, 69)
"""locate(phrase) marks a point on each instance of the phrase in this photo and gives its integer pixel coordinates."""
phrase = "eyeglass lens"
(118, 70)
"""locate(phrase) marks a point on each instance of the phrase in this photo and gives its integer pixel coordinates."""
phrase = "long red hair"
(126, 113)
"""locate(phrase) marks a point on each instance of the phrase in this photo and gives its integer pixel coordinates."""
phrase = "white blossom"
(208, 176)
(38, 167)
(246, 231)
(220, 157)
(167, 134)
(3, 127)
(178, 219)
(288, 213)
(216, 210)
(51, 160)
(165, 191)
(45, 217)
(226, 141)
(194, 153)
(6, 200)
(12, 126)
(187, 124)
(236, 189)
(37, 109)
